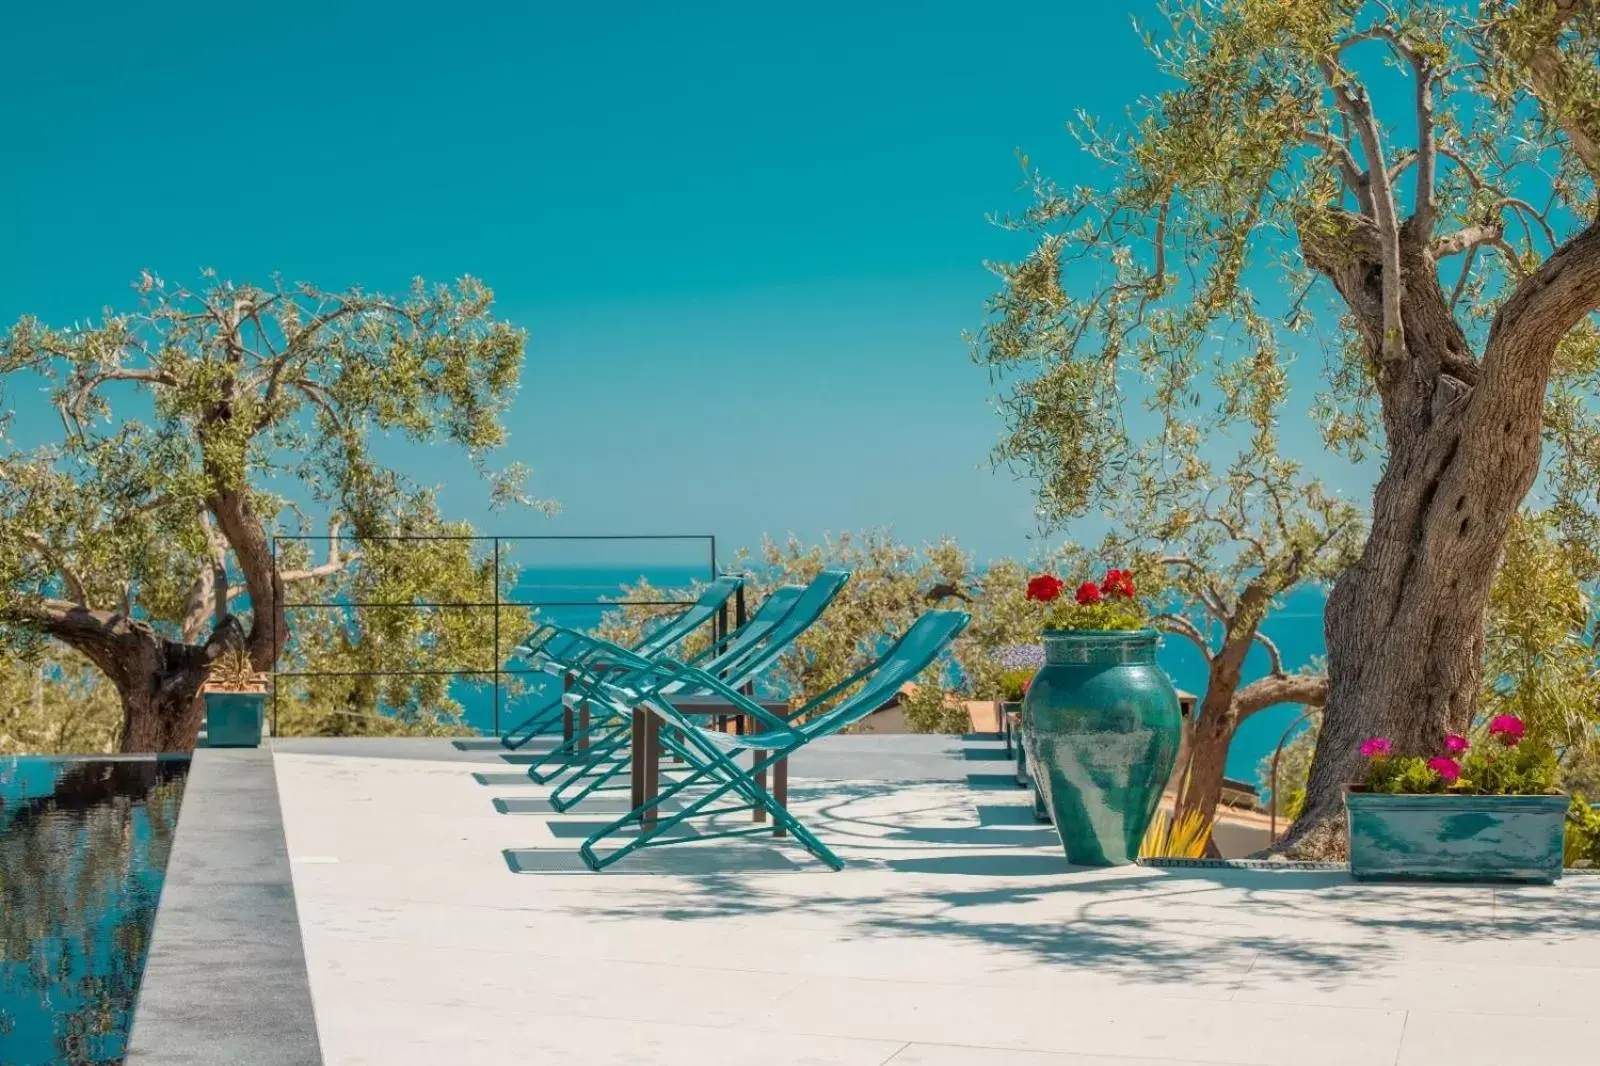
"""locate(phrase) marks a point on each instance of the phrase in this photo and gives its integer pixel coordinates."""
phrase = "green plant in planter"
(1474, 812)
(235, 695)
(1501, 765)
(233, 672)
(1014, 685)
(1106, 606)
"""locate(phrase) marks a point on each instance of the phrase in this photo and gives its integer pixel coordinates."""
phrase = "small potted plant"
(1101, 720)
(1017, 666)
(1488, 811)
(236, 696)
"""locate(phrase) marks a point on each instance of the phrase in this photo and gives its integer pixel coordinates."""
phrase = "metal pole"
(719, 628)
(273, 631)
(740, 616)
(497, 636)
(1272, 831)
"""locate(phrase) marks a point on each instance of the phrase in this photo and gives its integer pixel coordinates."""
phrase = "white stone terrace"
(956, 936)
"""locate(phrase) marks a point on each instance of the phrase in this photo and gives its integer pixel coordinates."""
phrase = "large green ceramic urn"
(1101, 724)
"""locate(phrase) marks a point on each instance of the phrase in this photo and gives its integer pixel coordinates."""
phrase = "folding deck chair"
(556, 646)
(600, 752)
(711, 756)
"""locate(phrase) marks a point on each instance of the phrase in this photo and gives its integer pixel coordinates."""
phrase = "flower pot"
(233, 719)
(1011, 717)
(1101, 726)
(1455, 837)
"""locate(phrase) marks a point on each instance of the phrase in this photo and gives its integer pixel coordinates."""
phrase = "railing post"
(741, 616)
(496, 579)
(273, 631)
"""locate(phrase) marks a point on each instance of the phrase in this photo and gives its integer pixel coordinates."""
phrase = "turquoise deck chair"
(586, 656)
(586, 746)
(605, 753)
(554, 647)
(712, 756)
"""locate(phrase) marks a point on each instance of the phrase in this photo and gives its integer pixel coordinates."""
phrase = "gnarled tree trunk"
(158, 679)
(1404, 625)
(1224, 708)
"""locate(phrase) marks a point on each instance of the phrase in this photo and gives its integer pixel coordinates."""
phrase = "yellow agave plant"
(1185, 839)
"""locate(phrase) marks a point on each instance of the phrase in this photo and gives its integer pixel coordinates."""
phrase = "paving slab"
(446, 920)
(225, 982)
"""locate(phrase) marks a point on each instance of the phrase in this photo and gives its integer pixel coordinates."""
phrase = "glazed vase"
(1101, 725)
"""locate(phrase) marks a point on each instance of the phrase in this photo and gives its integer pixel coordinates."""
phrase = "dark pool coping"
(225, 983)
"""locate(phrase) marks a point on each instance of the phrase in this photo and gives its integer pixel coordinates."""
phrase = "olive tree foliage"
(346, 672)
(1427, 168)
(891, 584)
(375, 671)
(1221, 549)
(1541, 657)
(57, 705)
(142, 536)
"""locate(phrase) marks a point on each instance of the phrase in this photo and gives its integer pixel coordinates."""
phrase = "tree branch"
(1501, 245)
(337, 561)
(1177, 623)
(1461, 282)
(1358, 107)
(81, 397)
(1545, 307)
(69, 576)
(1548, 77)
(1306, 689)
(1349, 170)
(1467, 239)
(1273, 654)
(1210, 599)
(1427, 156)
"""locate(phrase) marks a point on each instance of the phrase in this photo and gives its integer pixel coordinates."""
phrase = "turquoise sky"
(744, 238)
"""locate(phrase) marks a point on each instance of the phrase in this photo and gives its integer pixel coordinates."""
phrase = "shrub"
(1583, 834)
(1501, 764)
(928, 709)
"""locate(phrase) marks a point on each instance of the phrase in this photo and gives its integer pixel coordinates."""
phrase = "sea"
(576, 595)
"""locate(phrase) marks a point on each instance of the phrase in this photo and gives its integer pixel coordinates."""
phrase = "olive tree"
(1429, 169)
(197, 425)
(1221, 550)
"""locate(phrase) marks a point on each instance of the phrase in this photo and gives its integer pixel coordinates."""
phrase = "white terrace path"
(955, 937)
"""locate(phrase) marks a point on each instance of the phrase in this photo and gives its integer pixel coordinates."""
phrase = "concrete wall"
(225, 984)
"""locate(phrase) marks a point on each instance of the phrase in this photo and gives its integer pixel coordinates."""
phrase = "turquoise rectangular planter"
(1456, 838)
(233, 719)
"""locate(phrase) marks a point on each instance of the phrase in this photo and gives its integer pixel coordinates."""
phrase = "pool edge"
(225, 980)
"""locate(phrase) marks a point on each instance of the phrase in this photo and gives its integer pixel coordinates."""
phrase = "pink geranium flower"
(1445, 767)
(1509, 728)
(1455, 743)
(1375, 747)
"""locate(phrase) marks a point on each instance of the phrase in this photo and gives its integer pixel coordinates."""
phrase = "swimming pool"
(83, 850)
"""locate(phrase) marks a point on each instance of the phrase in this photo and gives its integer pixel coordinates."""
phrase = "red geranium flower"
(1509, 728)
(1118, 583)
(1088, 593)
(1446, 768)
(1045, 587)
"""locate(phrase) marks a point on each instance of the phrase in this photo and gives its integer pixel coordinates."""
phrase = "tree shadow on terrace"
(1162, 926)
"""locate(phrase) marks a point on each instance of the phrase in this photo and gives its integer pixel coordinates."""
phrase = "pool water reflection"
(83, 850)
